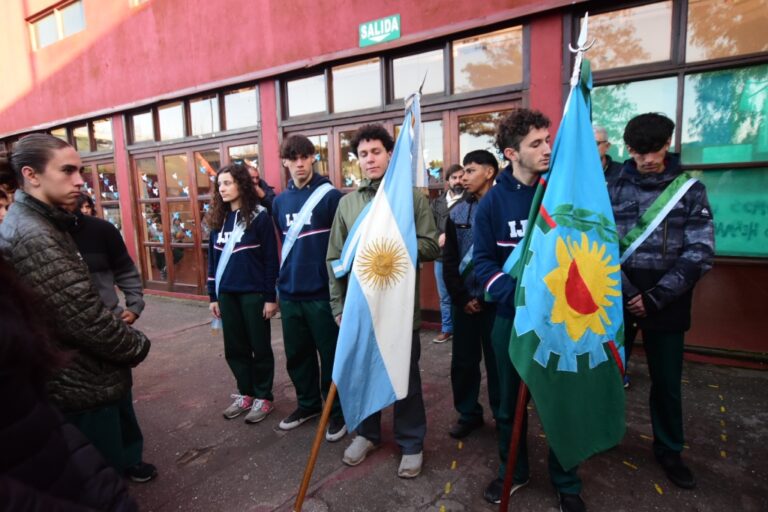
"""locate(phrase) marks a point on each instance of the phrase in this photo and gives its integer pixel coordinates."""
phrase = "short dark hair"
(296, 146)
(83, 198)
(482, 157)
(374, 131)
(514, 128)
(648, 132)
(34, 150)
(452, 170)
(3, 195)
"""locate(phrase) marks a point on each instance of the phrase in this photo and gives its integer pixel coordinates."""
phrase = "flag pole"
(315, 448)
(514, 445)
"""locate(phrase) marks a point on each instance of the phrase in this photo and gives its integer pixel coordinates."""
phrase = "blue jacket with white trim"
(254, 263)
(498, 227)
(304, 275)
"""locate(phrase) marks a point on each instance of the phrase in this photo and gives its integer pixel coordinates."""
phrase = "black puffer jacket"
(47, 464)
(35, 241)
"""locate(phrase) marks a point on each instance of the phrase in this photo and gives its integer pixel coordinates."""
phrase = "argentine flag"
(374, 347)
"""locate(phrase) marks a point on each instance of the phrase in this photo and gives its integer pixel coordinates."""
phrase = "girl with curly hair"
(242, 270)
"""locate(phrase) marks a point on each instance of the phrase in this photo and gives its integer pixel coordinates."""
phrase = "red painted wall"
(131, 55)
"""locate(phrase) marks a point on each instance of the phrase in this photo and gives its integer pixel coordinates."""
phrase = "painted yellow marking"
(447, 487)
(453, 465)
(685, 381)
(442, 508)
(542, 436)
(658, 488)
(723, 454)
(630, 465)
(647, 438)
(722, 408)
(723, 437)
(721, 397)
(714, 386)
(687, 447)
(722, 423)
(461, 445)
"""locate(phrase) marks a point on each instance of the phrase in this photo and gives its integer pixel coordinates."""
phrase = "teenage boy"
(373, 146)
(304, 214)
(472, 316)
(93, 391)
(523, 138)
(441, 208)
(659, 276)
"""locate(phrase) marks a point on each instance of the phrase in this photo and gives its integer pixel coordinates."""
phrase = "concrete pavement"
(207, 463)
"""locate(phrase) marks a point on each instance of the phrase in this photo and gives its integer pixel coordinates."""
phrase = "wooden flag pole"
(514, 445)
(315, 448)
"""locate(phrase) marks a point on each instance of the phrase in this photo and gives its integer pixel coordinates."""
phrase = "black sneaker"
(461, 429)
(141, 472)
(337, 429)
(492, 493)
(297, 417)
(676, 470)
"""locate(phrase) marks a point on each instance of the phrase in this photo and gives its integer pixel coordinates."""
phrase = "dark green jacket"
(34, 239)
(349, 208)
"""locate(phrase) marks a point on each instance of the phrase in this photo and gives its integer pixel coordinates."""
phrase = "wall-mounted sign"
(379, 31)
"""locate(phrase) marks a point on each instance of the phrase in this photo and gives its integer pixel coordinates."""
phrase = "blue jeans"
(445, 299)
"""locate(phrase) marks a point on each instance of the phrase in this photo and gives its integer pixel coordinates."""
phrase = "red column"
(546, 81)
(123, 176)
(270, 147)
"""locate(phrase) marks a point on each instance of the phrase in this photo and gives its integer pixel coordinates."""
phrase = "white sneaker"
(410, 465)
(357, 451)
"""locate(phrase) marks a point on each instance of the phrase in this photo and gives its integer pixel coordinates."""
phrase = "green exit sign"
(379, 31)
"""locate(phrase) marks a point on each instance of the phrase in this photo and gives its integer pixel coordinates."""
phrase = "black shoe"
(571, 503)
(461, 429)
(337, 429)
(141, 472)
(297, 417)
(676, 470)
(492, 493)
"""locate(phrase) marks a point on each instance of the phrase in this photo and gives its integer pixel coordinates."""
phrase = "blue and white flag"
(374, 348)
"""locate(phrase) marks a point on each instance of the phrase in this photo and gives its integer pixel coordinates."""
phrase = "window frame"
(58, 19)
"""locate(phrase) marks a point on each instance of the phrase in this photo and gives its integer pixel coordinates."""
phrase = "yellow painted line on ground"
(461, 445)
(714, 386)
(685, 381)
(453, 465)
(722, 423)
(542, 436)
(687, 447)
(630, 465)
(447, 487)
(723, 438)
(647, 438)
(723, 454)
(721, 397)
(722, 408)
(442, 508)
(658, 488)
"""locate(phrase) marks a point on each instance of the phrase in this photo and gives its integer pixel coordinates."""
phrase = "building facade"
(157, 94)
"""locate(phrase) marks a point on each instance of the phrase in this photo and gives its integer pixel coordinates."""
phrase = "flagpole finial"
(581, 46)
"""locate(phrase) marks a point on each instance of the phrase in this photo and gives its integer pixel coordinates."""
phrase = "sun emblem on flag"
(383, 263)
(582, 286)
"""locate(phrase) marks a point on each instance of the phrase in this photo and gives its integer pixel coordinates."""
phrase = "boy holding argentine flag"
(384, 265)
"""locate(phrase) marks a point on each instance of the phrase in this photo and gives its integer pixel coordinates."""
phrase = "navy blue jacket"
(499, 225)
(253, 266)
(304, 275)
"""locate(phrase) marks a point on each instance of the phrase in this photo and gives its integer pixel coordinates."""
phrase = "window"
(82, 140)
(614, 105)
(478, 131)
(321, 156)
(171, 118)
(107, 182)
(204, 115)
(715, 30)
(350, 170)
(143, 127)
(206, 165)
(307, 96)
(176, 176)
(487, 61)
(60, 133)
(57, 24)
(102, 134)
(408, 73)
(356, 86)
(242, 108)
(626, 37)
